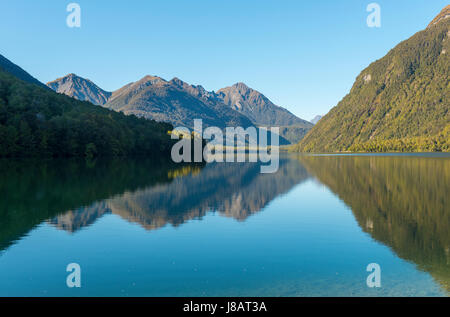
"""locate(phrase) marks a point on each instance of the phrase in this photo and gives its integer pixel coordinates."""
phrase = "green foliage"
(91, 150)
(400, 201)
(437, 143)
(35, 122)
(398, 103)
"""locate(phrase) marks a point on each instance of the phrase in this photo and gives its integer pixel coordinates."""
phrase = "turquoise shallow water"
(146, 229)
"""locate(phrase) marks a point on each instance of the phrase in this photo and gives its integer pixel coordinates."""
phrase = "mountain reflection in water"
(234, 190)
(400, 201)
(73, 194)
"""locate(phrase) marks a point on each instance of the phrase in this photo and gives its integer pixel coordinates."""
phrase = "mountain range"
(155, 206)
(400, 102)
(151, 192)
(174, 101)
(179, 103)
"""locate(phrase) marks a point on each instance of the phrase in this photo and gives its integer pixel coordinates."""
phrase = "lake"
(139, 227)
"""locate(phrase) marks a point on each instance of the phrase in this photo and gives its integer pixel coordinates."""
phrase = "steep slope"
(35, 121)
(80, 88)
(398, 103)
(174, 101)
(11, 68)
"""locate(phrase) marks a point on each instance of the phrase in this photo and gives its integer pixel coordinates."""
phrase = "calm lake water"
(144, 228)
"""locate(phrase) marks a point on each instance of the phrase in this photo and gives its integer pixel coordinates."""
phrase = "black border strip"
(273, 305)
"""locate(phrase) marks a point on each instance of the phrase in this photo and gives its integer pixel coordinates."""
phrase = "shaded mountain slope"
(11, 68)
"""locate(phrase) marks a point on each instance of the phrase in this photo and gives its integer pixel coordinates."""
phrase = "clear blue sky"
(303, 55)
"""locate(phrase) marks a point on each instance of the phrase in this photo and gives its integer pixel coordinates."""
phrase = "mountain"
(11, 68)
(398, 103)
(36, 121)
(257, 107)
(316, 119)
(80, 88)
(174, 101)
(262, 112)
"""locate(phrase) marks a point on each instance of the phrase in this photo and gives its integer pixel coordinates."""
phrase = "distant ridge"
(316, 119)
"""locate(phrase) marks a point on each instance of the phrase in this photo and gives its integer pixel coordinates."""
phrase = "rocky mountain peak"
(241, 86)
(194, 90)
(151, 80)
(80, 88)
(257, 107)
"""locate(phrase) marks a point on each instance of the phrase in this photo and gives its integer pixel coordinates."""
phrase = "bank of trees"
(437, 143)
(398, 103)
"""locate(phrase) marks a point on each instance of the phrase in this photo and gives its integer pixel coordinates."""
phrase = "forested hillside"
(399, 103)
(36, 121)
